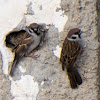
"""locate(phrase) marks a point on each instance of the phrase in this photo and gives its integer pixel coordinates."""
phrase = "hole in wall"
(13, 38)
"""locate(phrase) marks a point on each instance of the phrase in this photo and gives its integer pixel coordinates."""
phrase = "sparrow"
(32, 38)
(69, 54)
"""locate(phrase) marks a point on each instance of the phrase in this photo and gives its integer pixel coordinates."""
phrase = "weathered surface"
(4, 85)
(46, 70)
(81, 14)
(98, 31)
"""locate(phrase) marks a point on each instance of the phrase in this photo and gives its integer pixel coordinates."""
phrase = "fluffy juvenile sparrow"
(33, 36)
(70, 51)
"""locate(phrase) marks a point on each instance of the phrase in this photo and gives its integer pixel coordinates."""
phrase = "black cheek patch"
(73, 37)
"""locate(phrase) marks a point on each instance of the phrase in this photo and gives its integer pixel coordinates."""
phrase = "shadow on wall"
(98, 30)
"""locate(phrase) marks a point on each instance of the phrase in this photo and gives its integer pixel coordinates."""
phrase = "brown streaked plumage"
(20, 51)
(69, 54)
(32, 38)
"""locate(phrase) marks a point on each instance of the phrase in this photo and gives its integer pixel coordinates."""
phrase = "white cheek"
(70, 39)
(77, 39)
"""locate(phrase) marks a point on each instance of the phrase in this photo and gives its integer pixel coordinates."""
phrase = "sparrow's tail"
(74, 77)
(12, 67)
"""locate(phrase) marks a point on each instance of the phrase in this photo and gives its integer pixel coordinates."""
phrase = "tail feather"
(12, 67)
(74, 77)
(72, 80)
(77, 76)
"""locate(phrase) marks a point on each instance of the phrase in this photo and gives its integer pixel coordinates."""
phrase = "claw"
(34, 56)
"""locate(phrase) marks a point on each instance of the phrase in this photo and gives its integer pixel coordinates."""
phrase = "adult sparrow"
(32, 38)
(70, 51)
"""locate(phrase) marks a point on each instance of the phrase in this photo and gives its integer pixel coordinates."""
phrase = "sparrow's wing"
(20, 52)
(69, 53)
(73, 49)
(23, 47)
(20, 42)
(63, 55)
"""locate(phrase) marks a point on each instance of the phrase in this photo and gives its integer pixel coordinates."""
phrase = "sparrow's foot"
(84, 77)
(33, 56)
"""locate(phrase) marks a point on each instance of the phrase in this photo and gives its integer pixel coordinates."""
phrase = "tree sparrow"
(70, 51)
(32, 38)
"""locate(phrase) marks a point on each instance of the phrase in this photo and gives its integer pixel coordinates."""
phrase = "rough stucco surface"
(4, 85)
(53, 82)
(84, 16)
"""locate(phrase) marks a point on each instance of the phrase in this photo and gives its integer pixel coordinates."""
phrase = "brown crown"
(33, 25)
(73, 31)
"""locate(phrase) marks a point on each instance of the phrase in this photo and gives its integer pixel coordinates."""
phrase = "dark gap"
(13, 38)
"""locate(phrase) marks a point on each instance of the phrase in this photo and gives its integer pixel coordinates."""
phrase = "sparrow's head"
(36, 28)
(33, 28)
(74, 34)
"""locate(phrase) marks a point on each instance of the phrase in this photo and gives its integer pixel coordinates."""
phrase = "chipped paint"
(12, 14)
(57, 51)
(23, 70)
(42, 83)
(24, 89)
(48, 13)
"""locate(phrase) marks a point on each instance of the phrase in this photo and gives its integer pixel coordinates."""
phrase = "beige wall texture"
(45, 75)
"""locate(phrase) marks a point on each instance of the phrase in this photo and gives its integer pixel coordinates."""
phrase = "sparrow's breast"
(34, 44)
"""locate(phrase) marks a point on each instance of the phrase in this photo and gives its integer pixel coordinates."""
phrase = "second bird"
(70, 51)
